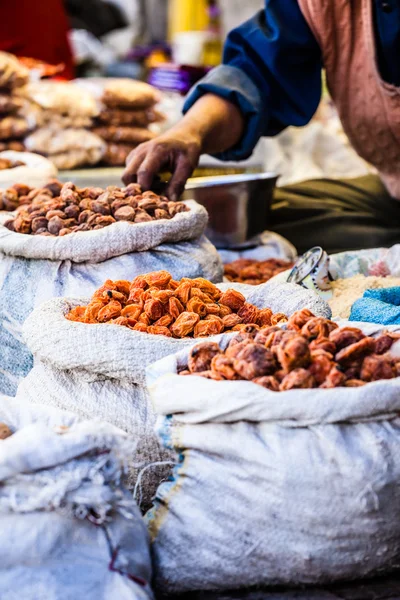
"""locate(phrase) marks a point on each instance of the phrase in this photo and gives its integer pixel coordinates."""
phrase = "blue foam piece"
(378, 306)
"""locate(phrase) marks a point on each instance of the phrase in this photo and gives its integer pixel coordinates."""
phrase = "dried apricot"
(183, 291)
(201, 355)
(223, 367)
(159, 279)
(5, 431)
(175, 308)
(140, 327)
(154, 309)
(197, 306)
(164, 321)
(159, 330)
(254, 361)
(268, 381)
(184, 324)
(132, 311)
(231, 321)
(278, 318)
(208, 327)
(264, 317)
(297, 379)
(109, 311)
(233, 299)
(248, 313)
(77, 314)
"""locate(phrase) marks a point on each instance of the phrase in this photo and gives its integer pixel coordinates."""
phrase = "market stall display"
(35, 268)
(127, 111)
(66, 110)
(60, 209)
(157, 304)
(303, 482)
(312, 352)
(98, 370)
(69, 526)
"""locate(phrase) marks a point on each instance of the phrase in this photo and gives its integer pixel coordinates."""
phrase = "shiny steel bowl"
(238, 205)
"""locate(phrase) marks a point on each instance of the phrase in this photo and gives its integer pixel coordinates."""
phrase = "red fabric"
(37, 29)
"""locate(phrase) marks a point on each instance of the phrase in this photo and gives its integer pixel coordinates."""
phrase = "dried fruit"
(157, 304)
(223, 367)
(264, 317)
(67, 208)
(254, 272)
(293, 353)
(281, 360)
(208, 327)
(297, 379)
(248, 313)
(5, 431)
(269, 382)
(358, 350)
(278, 318)
(201, 355)
(376, 367)
(299, 319)
(233, 299)
(184, 324)
(254, 361)
(154, 309)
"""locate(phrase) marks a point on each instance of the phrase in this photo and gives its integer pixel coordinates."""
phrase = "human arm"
(271, 75)
(212, 125)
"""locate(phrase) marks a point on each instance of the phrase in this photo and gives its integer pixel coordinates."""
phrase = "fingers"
(150, 167)
(133, 163)
(182, 172)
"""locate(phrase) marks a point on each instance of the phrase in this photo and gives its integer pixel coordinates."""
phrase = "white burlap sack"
(36, 171)
(34, 269)
(296, 487)
(69, 529)
(99, 370)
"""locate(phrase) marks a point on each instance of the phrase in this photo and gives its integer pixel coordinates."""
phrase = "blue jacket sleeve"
(271, 70)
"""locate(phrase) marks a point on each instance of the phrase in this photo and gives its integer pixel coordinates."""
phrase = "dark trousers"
(338, 215)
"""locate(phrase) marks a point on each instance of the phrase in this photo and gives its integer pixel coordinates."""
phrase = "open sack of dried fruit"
(93, 362)
(66, 241)
(277, 484)
(69, 527)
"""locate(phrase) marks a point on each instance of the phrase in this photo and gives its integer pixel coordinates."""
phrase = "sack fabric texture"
(295, 487)
(99, 370)
(69, 527)
(35, 268)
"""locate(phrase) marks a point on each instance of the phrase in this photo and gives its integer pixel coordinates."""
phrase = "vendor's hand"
(177, 151)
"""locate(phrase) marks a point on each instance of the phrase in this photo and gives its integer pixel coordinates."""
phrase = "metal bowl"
(238, 205)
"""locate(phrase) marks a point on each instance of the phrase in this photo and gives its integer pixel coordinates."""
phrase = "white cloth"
(69, 527)
(296, 487)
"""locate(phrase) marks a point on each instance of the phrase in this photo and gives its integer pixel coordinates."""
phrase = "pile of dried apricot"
(59, 209)
(254, 272)
(155, 303)
(312, 352)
